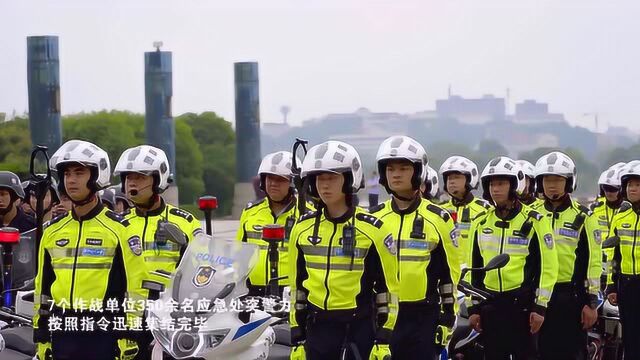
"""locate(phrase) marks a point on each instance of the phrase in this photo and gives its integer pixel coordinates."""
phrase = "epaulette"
(181, 213)
(308, 215)
(595, 204)
(485, 204)
(625, 206)
(444, 214)
(376, 208)
(370, 219)
(535, 215)
(58, 218)
(117, 218)
(254, 204)
(584, 209)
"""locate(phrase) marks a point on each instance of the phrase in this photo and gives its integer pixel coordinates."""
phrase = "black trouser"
(562, 336)
(261, 290)
(629, 306)
(326, 336)
(98, 345)
(414, 333)
(505, 327)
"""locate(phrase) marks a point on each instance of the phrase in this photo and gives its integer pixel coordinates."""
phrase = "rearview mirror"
(611, 242)
(497, 262)
(174, 234)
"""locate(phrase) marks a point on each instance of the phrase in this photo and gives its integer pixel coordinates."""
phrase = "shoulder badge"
(444, 214)
(117, 218)
(595, 204)
(181, 213)
(485, 204)
(625, 206)
(308, 215)
(375, 209)
(57, 218)
(584, 209)
(256, 203)
(535, 215)
(370, 219)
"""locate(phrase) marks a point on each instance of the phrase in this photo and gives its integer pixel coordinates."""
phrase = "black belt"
(361, 312)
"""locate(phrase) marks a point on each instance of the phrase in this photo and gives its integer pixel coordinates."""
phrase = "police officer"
(11, 193)
(145, 174)
(528, 196)
(572, 309)
(624, 290)
(431, 186)
(428, 269)
(83, 259)
(343, 269)
(522, 289)
(122, 202)
(460, 176)
(280, 206)
(108, 198)
(50, 201)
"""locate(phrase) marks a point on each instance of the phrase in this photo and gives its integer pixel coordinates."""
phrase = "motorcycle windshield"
(210, 270)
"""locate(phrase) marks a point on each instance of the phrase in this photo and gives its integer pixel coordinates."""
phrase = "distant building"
(533, 112)
(472, 111)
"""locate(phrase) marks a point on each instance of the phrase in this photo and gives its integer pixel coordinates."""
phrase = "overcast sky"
(318, 57)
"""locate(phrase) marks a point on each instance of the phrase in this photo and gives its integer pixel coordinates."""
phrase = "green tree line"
(205, 148)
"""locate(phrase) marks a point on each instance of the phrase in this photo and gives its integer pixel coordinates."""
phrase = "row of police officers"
(383, 281)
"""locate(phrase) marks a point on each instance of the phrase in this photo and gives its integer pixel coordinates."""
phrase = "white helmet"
(336, 157)
(632, 169)
(432, 182)
(611, 176)
(147, 160)
(277, 163)
(527, 168)
(503, 166)
(86, 154)
(462, 165)
(404, 148)
(557, 163)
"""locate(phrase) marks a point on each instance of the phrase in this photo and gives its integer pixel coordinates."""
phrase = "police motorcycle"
(605, 339)
(19, 263)
(212, 274)
(466, 343)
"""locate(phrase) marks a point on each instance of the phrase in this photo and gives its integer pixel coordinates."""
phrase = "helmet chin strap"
(399, 197)
(84, 201)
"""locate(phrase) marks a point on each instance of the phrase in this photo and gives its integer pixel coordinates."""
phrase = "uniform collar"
(155, 212)
(286, 209)
(513, 212)
(412, 207)
(614, 205)
(341, 219)
(91, 214)
(566, 203)
(468, 198)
